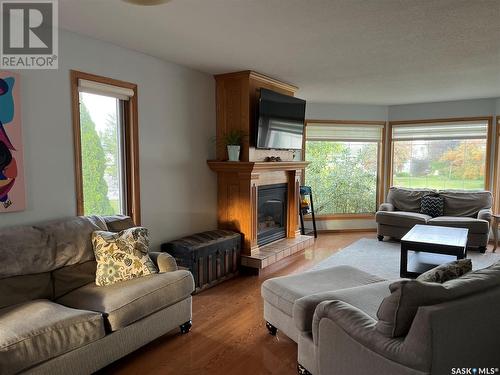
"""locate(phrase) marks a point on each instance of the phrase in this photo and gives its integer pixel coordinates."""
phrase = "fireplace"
(271, 213)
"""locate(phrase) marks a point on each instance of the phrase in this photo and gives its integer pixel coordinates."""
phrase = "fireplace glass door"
(271, 212)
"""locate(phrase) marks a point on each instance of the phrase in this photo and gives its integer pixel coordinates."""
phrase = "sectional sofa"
(55, 320)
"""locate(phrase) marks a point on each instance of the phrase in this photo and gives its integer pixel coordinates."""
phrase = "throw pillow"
(397, 311)
(447, 271)
(122, 256)
(432, 205)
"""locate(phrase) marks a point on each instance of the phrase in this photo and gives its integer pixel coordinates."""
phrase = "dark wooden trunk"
(211, 256)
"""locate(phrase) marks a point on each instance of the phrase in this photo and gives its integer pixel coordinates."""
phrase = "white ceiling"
(343, 51)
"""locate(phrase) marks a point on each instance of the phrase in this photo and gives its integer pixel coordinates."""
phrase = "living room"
(249, 186)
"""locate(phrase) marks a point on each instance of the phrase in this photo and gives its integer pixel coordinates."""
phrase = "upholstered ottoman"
(280, 293)
(285, 298)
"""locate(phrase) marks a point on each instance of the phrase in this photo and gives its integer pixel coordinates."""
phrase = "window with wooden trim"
(346, 166)
(441, 154)
(106, 146)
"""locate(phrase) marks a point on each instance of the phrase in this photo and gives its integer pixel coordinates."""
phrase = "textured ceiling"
(344, 51)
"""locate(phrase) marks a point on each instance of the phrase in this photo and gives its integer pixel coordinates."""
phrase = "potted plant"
(233, 139)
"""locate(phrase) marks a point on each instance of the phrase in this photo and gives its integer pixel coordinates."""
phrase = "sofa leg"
(380, 238)
(272, 329)
(482, 249)
(186, 327)
(301, 370)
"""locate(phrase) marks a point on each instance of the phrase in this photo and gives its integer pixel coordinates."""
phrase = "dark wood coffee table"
(432, 245)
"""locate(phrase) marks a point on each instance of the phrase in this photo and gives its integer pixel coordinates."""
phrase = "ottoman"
(291, 300)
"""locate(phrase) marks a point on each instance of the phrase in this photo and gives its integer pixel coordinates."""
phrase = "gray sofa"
(55, 320)
(463, 209)
(458, 333)
(343, 330)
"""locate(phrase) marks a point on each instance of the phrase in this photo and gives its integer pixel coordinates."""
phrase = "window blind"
(98, 88)
(442, 130)
(344, 132)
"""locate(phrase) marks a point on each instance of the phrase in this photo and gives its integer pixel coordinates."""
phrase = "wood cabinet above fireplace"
(237, 96)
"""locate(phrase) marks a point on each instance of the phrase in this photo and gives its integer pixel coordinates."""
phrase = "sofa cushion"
(473, 225)
(407, 199)
(396, 312)
(32, 249)
(117, 223)
(129, 301)
(465, 203)
(282, 292)
(366, 297)
(432, 205)
(401, 218)
(18, 289)
(73, 277)
(122, 256)
(39, 330)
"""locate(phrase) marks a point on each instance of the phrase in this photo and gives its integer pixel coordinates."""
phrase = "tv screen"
(280, 121)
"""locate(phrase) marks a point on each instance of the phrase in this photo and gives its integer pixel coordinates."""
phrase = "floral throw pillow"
(122, 256)
(447, 271)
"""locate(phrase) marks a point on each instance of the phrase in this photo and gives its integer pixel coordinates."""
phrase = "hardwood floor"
(229, 334)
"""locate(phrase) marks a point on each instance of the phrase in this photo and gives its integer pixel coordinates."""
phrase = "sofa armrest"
(358, 327)
(386, 207)
(485, 214)
(165, 262)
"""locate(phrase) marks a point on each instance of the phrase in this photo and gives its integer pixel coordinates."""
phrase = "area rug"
(382, 258)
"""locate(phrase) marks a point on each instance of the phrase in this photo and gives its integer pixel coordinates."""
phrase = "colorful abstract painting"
(12, 186)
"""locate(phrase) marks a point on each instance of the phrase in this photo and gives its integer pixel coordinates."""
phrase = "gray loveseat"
(55, 320)
(463, 209)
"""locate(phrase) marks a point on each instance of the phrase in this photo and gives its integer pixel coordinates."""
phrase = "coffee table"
(432, 245)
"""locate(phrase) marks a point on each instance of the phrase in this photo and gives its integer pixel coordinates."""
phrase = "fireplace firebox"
(271, 213)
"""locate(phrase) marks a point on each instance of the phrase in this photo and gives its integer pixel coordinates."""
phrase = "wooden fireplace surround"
(238, 183)
(237, 191)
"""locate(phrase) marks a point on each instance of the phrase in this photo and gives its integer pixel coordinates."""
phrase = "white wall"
(332, 111)
(459, 108)
(176, 122)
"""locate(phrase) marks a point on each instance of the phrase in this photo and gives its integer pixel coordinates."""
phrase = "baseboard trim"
(350, 230)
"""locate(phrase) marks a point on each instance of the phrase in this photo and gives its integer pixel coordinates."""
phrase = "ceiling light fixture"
(146, 2)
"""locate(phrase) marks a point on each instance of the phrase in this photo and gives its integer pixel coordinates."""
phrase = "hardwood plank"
(229, 334)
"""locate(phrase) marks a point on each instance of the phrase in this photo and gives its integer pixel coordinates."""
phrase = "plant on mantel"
(233, 140)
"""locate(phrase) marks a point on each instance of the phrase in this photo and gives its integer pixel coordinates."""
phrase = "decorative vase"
(233, 151)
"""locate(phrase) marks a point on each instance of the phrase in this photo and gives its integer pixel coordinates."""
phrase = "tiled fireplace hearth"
(260, 200)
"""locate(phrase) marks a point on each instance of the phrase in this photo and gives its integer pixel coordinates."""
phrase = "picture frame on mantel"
(12, 183)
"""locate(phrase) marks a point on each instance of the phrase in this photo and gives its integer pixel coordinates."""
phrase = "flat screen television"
(280, 121)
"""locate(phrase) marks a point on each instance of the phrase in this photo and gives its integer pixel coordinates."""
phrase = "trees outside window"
(344, 168)
(448, 155)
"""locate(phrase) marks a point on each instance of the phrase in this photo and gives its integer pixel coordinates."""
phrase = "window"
(105, 131)
(446, 154)
(345, 170)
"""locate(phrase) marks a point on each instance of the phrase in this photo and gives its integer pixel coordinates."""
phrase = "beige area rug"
(382, 258)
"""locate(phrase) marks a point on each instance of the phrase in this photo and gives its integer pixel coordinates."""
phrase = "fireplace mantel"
(237, 192)
(248, 166)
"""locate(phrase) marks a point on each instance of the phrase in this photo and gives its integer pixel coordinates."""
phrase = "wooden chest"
(211, 256)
